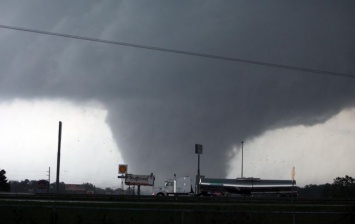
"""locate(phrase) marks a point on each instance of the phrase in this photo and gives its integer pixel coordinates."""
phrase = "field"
(75, 209)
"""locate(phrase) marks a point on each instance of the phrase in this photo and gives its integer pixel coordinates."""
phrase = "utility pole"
(49, 178)
(242, 159)
(58, 156)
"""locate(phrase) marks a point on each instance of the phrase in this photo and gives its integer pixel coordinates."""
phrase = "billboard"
(42, 186)
(75, 187)
(145, 180)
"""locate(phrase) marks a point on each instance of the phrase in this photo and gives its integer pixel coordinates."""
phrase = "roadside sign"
(198, 149)
(122, 168)
(145, 180)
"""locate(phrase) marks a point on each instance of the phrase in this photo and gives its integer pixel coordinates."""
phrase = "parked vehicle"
(248, 186)
(228, 187)
(176, 186)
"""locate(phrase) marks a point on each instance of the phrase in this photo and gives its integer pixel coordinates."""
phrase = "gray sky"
(157, 105)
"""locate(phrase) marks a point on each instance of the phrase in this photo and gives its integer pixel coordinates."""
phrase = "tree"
(344, 186)
(4, 185)
(341, 187)
(344, 181)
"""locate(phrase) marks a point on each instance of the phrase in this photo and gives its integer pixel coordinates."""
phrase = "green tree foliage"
(24, 186)
(344, 181)
(344, 186)
(341, 187)
(30, 186)
(4, 185)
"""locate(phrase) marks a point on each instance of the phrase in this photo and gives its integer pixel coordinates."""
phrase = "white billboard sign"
(145, 180)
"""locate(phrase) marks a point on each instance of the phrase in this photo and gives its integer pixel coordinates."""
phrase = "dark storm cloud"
(161, 104)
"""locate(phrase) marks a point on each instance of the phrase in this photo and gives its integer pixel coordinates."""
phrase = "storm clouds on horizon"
(161, 104)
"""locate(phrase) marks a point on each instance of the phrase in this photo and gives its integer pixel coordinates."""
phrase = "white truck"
(175, 187)
(224, 187)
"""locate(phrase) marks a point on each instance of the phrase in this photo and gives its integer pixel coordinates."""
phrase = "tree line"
(341, 187)
(33, 186)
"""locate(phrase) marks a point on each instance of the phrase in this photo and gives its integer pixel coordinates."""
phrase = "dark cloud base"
(161, 104)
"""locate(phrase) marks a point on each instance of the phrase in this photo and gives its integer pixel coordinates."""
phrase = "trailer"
(248, 186)
(228, 187)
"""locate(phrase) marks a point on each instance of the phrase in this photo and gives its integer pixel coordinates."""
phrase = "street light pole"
(242, 159)
(198, 151)
(58, 156)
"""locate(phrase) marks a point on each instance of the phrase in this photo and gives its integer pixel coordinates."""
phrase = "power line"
(295, 68)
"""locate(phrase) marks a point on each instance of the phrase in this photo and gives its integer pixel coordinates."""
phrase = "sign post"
(198, 151)
(122, 169)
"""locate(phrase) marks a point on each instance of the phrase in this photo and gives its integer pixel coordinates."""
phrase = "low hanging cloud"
(319, 153)
(29, 133)
(161, 104)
